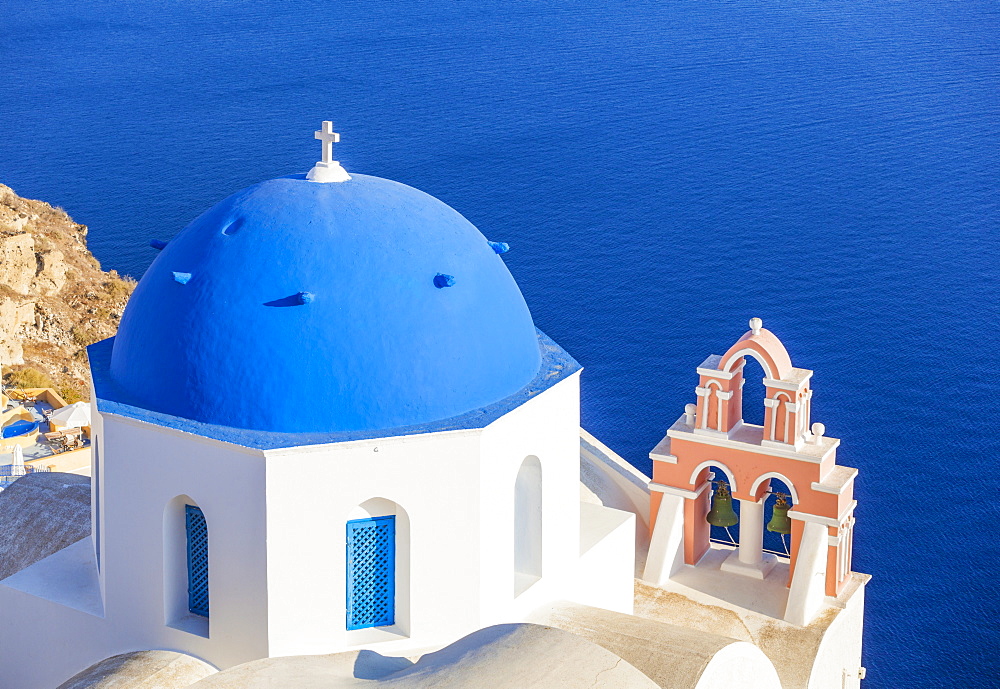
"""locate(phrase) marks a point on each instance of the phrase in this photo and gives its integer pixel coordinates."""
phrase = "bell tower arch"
(814, 507)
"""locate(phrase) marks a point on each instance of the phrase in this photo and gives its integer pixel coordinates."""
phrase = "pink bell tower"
(712, 435)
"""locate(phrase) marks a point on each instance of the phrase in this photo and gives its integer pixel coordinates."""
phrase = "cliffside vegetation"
(54, 298)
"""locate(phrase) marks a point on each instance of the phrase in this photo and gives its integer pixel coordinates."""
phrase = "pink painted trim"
(768, 349)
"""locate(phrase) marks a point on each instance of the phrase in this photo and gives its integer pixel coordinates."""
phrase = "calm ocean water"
(663, 171)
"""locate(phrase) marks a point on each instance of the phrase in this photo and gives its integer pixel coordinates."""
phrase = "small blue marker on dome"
(182, 277)
(158, 244)
(499, 247)
(305, 297)
(442, 280)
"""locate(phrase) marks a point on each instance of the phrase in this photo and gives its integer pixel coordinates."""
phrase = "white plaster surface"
(68, 577)
(740, 665)
(666, 547)
(607, 553)
(327, 172)
(141, 670)
(512, 656)
(673, 656)
(277, 566)
(808, 589)
(814, 655)
(838, 660)
(276, 533)
(767, 596)
(737, 564)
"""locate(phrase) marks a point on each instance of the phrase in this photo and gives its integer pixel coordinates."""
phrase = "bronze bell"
(722, 513)
(779, 517)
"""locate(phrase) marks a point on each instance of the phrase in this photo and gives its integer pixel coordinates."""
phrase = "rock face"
(54, 297)
(17, 254)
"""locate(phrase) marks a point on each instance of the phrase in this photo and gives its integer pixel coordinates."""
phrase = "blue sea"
(663, 172)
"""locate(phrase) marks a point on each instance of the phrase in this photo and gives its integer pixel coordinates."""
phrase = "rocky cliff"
(54, 298)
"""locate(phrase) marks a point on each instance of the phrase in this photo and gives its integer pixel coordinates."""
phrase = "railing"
(8, 475)
(10, 470)
(779, 553)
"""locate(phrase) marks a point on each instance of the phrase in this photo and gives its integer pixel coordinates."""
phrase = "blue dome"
(298, 306)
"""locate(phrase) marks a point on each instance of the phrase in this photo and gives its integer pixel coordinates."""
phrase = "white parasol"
(17, 465)
(74, 415)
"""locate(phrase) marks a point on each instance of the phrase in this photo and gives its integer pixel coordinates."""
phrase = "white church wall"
(546, 427)
(605, 574)
(838, 659)
(430, 478)
(96, 485)
(739, 664)
(148, 473)
(666, 545)
(527, 524)
(807, 591)
(28, 661)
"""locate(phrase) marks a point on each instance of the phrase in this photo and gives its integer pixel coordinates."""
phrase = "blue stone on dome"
(442, 280)
(382, 348)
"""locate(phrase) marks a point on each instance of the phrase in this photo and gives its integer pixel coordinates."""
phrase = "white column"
(773, 404)
(751, 532)
(788, 408)
(703, 405)
(750, 559)
(723, 397)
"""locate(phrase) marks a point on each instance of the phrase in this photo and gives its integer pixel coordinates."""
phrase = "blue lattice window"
(197, 560)
(371, 572)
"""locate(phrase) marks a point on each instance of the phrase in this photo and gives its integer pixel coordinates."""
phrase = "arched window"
(185, 566)
(378, 566)
(730, 535)
(774, 542)
(96, 506)
(527, 524)
(753, 391)
(713, 406)
(196, 530)
(780, 415)
(371, 572)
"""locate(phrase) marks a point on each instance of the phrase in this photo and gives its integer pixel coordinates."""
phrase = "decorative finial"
(755, 325)
(327, 169)
(818, 430)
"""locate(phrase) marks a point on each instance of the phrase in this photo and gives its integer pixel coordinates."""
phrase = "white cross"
(329, 138)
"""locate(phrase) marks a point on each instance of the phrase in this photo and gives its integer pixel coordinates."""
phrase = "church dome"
(310, 306)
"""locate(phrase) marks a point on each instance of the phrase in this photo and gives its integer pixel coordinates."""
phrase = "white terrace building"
(328, 423)
(321, 392)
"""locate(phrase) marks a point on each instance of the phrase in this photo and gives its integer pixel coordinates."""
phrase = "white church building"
(328, 423)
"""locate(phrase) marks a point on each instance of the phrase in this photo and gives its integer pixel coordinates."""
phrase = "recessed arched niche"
(377, 576)
(527, 524)
(186, 566)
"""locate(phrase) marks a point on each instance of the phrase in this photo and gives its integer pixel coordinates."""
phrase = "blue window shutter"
(371, 572)
(197, 560)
